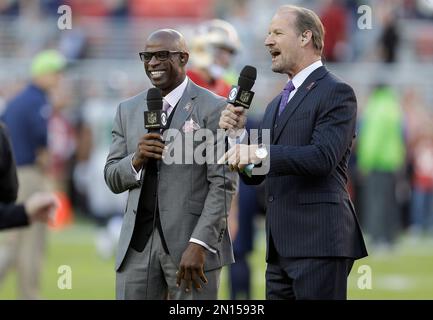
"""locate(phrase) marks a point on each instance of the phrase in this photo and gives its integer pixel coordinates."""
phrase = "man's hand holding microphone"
(151, 145)
(240, 157)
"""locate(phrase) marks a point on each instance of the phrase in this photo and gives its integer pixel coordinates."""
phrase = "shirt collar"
(299, 78)
(174, 96)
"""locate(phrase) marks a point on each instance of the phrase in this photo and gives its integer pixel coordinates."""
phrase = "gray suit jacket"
(190, 196)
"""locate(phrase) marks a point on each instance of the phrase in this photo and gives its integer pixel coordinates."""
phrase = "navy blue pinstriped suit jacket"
(309, 211)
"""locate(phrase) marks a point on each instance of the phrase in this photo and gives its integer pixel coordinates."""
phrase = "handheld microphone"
(155, 119)
(241, 95)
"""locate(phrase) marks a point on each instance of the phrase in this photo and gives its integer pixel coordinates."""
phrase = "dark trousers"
(380, 208)
(306, 278)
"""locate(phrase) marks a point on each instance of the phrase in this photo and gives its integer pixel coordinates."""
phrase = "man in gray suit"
(174, 239)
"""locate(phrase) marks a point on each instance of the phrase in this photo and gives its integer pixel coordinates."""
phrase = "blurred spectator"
(37, 208)
(8, 172)
(389, 40)
(9, 7)
(226, 45)
(422, 194)
(27, 116)
(246, 205)
(212, 53)
(73, 44)
(423, 43)
(50, 7)
(335, 20)
(94, 141)
(381, 154)
(61, 136)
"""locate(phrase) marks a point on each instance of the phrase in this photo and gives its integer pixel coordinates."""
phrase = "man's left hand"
(191, 267)
(240, 155)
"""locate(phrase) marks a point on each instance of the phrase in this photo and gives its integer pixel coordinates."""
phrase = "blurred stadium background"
(103, 69)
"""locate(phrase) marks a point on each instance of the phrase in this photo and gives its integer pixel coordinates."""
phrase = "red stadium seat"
(169, 8)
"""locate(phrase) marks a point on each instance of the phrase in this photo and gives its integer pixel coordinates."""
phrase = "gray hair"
(307, 19)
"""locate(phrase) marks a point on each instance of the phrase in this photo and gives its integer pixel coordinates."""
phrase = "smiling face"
(284, 43)
(166, 75)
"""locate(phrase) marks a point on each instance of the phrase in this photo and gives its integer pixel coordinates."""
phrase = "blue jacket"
(26, 117)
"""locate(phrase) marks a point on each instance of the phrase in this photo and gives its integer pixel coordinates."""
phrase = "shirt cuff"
(137, 174)
(237, 140)
(202, 244)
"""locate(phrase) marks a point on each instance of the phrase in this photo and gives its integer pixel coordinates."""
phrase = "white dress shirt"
(302, 75)
(172, 98)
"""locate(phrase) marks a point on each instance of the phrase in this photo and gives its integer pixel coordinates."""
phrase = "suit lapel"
(270, 120)
(138, 112)
(184, 108)
(301, 93)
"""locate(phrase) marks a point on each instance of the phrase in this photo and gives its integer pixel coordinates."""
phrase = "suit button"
(275, 126)
(271, 198)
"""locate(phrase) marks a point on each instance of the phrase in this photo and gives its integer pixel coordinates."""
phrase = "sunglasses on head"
(146, 56)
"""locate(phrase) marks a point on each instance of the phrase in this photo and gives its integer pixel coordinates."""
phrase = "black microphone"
(241, 95)
(155, 119)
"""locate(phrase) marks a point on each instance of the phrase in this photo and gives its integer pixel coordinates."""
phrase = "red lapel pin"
(310, 85)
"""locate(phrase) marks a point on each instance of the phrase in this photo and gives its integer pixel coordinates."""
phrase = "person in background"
(422, 194)
(248, 203)
(335, 21)
(390, 39)
(106, 210)
(8, 172)
(381, 155)
(39, 207)
(26, 116)
(212, 52)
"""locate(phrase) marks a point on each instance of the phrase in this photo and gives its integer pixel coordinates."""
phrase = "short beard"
(277, 69)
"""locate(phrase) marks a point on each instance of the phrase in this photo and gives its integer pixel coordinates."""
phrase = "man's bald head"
(169, 56)
(174, 39)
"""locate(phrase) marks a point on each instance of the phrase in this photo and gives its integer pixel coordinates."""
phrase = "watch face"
(261, 153)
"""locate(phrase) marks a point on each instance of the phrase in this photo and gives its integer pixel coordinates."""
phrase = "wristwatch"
(261, 152)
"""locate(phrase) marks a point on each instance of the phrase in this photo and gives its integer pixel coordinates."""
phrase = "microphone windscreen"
(247, 77)
(154, 99)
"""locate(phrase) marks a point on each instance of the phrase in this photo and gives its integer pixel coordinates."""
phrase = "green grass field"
(406, 273)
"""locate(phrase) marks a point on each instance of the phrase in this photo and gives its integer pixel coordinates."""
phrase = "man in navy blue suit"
(313, 236)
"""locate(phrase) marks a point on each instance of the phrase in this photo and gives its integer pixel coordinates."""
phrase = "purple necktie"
(166, 107)
(285, 96)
